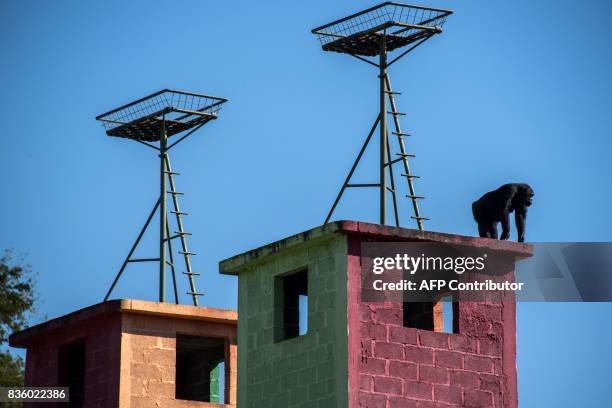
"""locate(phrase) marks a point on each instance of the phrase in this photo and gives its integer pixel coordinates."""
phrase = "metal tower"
(155, 118)
(374, 33)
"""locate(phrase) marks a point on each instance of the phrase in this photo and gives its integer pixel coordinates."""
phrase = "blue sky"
(512, 91)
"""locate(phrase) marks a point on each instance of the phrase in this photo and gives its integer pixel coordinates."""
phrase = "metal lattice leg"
(128, 258)
(171, 263)
(347, 181)
(392, 181)
(163, 239)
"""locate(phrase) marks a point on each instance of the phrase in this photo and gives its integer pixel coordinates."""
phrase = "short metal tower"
(155, 118)
(374, 33)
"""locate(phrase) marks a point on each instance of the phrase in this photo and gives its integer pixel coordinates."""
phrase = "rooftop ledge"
(142, 307)
(236, 264)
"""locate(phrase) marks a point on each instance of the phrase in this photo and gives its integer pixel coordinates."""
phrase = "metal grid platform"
(143, 119)
(360, 33)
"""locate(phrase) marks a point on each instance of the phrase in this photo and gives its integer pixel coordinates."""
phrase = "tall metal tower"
(151, 121)
(370, 36)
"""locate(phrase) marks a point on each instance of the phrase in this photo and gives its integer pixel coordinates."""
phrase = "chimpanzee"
(496, 206)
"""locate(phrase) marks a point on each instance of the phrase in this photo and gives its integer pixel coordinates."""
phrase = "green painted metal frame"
(386, 162)
(166, 178)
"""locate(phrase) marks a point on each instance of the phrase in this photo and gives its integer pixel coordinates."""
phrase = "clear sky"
(511, 91)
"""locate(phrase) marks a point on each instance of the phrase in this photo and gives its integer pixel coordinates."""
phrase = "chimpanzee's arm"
(520, 216)
(505, 222)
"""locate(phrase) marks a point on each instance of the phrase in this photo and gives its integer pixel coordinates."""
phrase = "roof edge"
(236, 264)
(129, 306)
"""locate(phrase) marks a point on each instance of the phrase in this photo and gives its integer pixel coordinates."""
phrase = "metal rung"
(191, 273)
(172, 173)
(144, 260)
(187, 253)
(410, 176)
(420, 218)
(396, 113)
(363, 185)
(195, 293)
(406, 154)
(392, 92)
(401, 134)
(415, 197)
(179, 213)
(173, 237)
(175, 192)
(182, 233)
(169, 263)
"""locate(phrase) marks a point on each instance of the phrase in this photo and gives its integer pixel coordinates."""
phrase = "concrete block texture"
(359, 354)
(309, 370)
(130, 351)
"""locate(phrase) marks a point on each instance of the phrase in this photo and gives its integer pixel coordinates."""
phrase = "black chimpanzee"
(496, 206)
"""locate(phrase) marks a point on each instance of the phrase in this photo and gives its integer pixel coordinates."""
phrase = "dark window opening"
(72, 372)
(200, 369)
(439, 316)
(292, 305)
(419, 315)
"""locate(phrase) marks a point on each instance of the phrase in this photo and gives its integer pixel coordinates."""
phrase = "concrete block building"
(136, 354)
(306, 338)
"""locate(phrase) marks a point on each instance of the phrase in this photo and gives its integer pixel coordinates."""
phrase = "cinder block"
(417, 354)
(459, 342)
(368, 400)
(389, 316)
(433, 339)
(390, 351)
(403, 335)
(400, 369)
(388, 385)
(478, 399)
(490, 347)
(434, 375)
(464, 379)
(373, 366)
(449, 394)
(396, 402)
(491, 383)
(448, 359)
(366, 382)
(418, 390)
(373, 331)
(478, 363)
(317, 391)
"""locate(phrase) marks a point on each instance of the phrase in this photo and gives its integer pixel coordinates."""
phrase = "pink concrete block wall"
(391, 366)
(102, 358)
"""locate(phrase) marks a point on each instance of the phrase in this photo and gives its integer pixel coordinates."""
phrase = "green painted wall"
(306, 371)
(215, 383)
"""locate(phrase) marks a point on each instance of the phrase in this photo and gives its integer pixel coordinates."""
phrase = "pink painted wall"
(102, 358)
(391, 366)
(130, 351)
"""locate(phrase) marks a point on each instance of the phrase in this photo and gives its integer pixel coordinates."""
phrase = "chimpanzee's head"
(524, 195)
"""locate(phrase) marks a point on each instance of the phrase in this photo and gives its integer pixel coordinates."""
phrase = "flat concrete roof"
(235, 264)
(132, 306)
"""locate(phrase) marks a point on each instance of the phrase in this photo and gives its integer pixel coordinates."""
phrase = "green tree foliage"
(17, 299)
